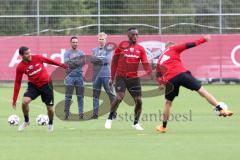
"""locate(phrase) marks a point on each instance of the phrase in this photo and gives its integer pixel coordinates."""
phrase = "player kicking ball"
(172, 74)
(39, 83)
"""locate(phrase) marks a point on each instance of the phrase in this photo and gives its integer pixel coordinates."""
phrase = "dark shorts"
(46, 92)
(184, 79)
(133, 85)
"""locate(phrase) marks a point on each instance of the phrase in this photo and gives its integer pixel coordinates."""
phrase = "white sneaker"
(50, 128)
(23, 126)
(108, 124)
(138, 127)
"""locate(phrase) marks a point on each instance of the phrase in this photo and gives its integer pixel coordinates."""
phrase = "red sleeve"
(160, 71)
(52, 62)
(114, 63)
(181, 47)
(145, 62)
(17, 85)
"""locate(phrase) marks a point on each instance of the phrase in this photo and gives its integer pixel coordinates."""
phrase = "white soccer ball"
(42, 119)
(223, 106)
(13, 120)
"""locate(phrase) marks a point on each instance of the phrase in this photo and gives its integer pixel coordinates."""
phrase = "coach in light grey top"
(101, 59)
(74, 77)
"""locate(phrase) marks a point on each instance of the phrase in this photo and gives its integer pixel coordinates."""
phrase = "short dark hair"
(170, 43)
(132, 28)
(74, 37)
(22, 49)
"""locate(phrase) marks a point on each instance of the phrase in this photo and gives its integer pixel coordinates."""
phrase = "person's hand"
(98, 61)
(14, 106)
(65, 66)
(161, 86)
(207, 37)
(153, 76)
(110, 82)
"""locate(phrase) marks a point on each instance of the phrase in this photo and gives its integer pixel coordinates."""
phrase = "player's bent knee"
(26, 100)
(50, 109)
(168, 103)
(119, 99)
(138, 101)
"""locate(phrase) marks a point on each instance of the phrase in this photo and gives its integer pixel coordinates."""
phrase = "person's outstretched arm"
(53, 62)
(181, 47)
(17, 85)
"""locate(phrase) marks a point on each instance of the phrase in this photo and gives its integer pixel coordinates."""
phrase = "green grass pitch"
(204, 137)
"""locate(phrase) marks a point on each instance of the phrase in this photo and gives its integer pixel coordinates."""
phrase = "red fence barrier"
(218, 58)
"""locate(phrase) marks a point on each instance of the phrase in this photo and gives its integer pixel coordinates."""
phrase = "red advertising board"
(217, 58)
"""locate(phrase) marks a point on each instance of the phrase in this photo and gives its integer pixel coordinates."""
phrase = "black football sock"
(50, 122)
(111, 115)
(114, 107)
(26, 118)
(218, 108)
(164, 124)
(137, 111)
(135, 121)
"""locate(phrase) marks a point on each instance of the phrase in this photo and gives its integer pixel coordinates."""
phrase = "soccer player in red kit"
(124, 68)
(172, 75)
(39, 83)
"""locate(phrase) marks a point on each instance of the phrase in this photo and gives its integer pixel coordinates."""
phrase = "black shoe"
(67, 116)
(95, 116)
(81, 116)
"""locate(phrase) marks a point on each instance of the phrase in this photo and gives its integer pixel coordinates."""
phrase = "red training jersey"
(170, 64)
(36, 72)
(125, 62)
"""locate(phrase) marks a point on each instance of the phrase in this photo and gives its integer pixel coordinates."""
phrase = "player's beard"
(132, 41)
(27, 59)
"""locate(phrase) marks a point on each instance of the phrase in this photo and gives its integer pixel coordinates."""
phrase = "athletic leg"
(135, 90)
(31, 94)
(120, 88)
(115, 104)
(137, 109)
(25, 108)
(171, 91)
(48, 98)
(50, 112)
(211, 99)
